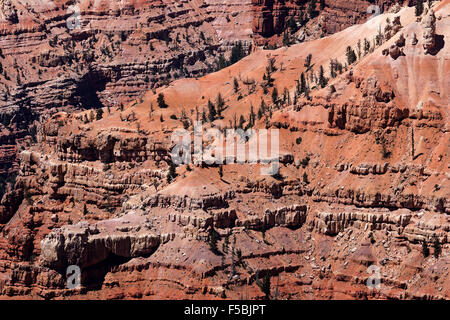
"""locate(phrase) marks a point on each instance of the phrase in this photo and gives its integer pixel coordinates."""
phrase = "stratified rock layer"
(363, 181)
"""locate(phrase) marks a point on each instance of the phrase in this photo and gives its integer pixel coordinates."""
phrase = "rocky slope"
(363, 181)
(65, 55)
(57, 56)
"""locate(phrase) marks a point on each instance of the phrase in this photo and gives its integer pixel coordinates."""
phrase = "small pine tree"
(371, 238)
(252, 117)
(265, 285)
(237, 53)
(312, 9)
(221, 172)
(301, 19)
(99, 114)
(305, 178)
(322, 4)
(220, 104)
(172, 173)
(212, 240)
(302, 83)
(275, 95)
(437, 247)
(366, 46)
(85, 210)
(161, 101)
(292, 25)
(322, 80)
(241, 121)
(351, 55)
(221, 62)
(308, 62)
(236, 85)
(212, 111)
(286, 39)
(425, 250)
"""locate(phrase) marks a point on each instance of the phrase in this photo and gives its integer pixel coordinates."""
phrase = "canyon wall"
(363, 181)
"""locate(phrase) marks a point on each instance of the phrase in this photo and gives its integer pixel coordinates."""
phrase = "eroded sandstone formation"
(363, 181)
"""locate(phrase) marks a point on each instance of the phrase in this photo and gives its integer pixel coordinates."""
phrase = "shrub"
(425, 250)
(161, 101)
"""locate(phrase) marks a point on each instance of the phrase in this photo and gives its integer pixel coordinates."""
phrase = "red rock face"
(118, 53)
(363, 180)
(270, 17)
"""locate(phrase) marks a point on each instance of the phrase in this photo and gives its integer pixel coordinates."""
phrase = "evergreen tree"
(275, 95)
(265, 285)
(221, 62)
(322, 80)
(220, 102)
(172, 173)
(241, 121)
(204, 118)
(292, 25)
(286, 39)
(302, 83)
(305, 178)
(425, 250)
(221, 172)
(366, 46)
(437, 247)
(301, 19)
(99, 114)
(212, 111)
(322, 4)
(312, 9)
(161, 101)
(236, 85)
(333, 69)
(262, 109)
(212, 240)
(237, 53)
(252, 117)
(308, 61)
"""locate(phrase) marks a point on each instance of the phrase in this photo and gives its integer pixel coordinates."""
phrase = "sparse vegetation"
(351, 55)
(419, 8)
(264, 285)
(161, 101)
(236, 85)
(437, 247)
(305, 178)
(212, 240)
(221, 172)
(172, 173)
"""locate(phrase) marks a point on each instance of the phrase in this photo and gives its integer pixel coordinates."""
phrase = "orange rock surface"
(363, 180)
